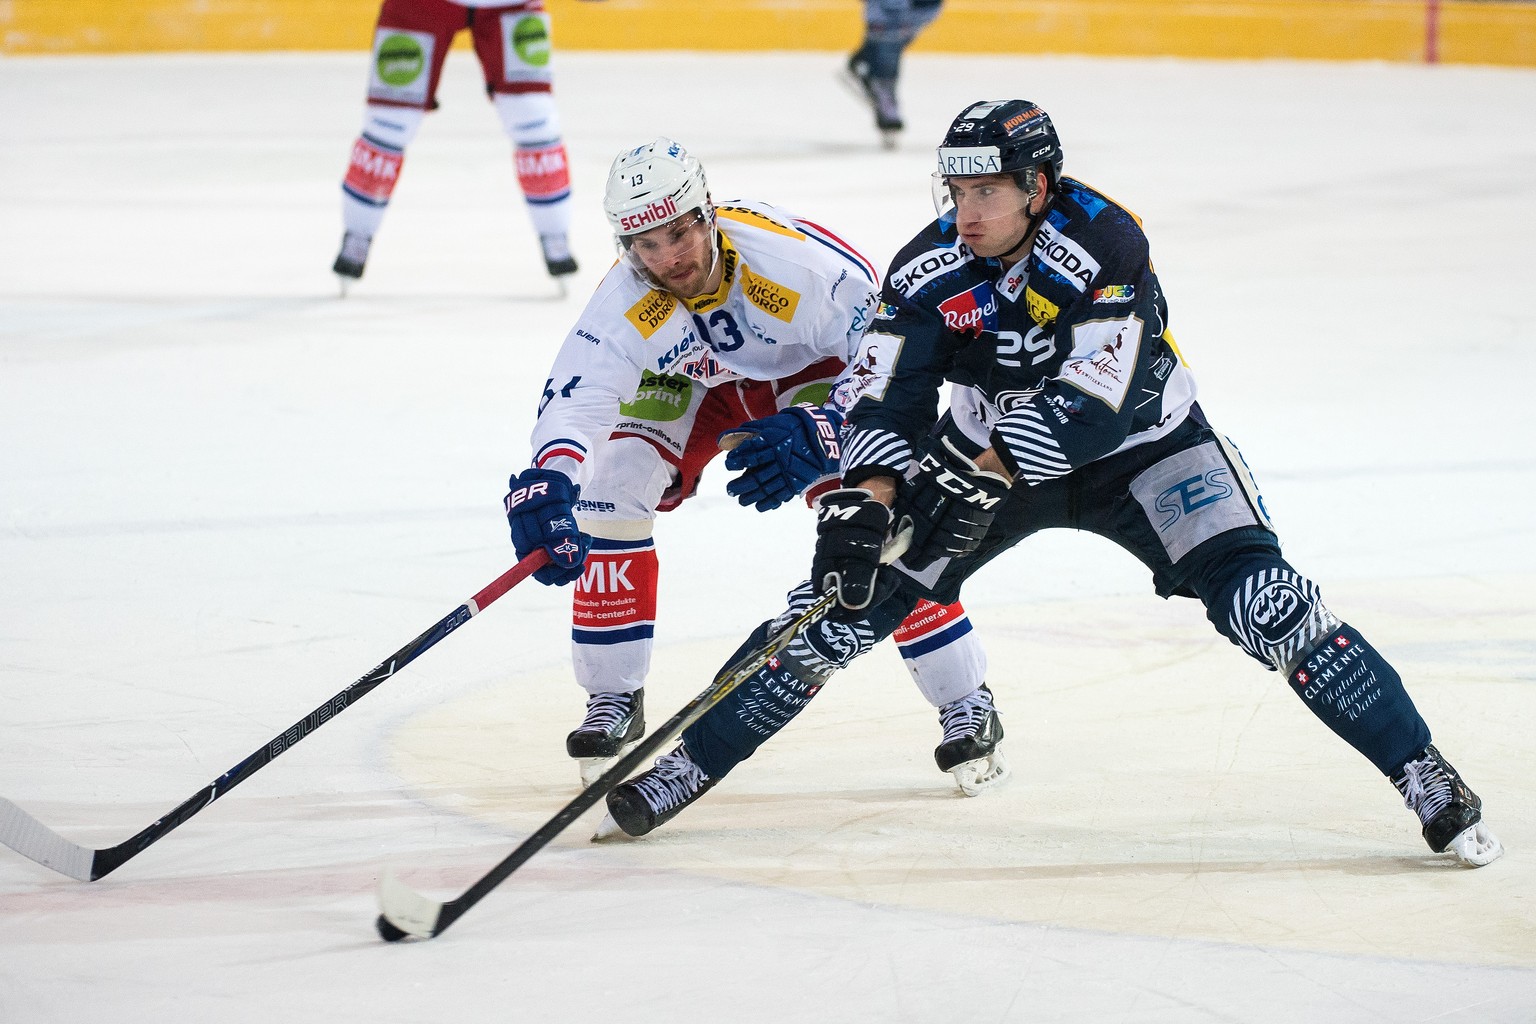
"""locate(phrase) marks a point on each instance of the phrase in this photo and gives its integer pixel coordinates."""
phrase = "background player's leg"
(410, 43)
(873, 69)
(515, 52)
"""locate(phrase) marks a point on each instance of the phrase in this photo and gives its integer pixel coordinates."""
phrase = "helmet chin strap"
(1028, 237)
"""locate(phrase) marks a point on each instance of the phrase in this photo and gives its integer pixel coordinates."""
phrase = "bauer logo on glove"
(541, 513)
(783, 454)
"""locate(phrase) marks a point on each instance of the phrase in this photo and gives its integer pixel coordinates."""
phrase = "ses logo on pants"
(1192, 494)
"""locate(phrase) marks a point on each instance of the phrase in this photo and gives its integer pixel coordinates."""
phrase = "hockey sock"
(613, 616)
(1347, 684)
(745, 718)
(543, 171)
(941, 651)
(374, 167)
(1277, 615)
(371, 175)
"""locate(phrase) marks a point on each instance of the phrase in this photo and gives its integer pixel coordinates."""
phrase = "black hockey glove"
(951, 502)
(850, 529)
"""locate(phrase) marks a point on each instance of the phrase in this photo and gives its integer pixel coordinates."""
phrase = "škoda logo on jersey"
(939, 261)
(655, 213)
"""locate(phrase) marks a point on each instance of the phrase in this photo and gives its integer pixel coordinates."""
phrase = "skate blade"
(592, 768)
(889, 138)
(984, 773)
(1476, 846)
(608, 829)
(344, 282)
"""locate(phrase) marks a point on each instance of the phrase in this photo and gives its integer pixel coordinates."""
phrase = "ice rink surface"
(225, 494)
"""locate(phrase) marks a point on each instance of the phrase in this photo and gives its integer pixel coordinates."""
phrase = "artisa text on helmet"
(970, 161)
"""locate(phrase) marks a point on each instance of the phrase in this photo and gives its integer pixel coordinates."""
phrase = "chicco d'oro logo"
(530, 39)
(400, 61)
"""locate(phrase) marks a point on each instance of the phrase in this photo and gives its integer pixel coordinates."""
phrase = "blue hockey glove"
(541, 511)
(850, 530)
(785, 454)
(951, 502)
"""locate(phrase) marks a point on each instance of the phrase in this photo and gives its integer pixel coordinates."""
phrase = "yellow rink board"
(1465, 31)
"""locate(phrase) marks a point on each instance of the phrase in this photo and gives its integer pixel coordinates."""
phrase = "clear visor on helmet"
(976, 199)
(679, 255)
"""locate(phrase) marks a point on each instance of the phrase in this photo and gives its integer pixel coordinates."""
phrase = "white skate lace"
(1426, 789)
(674, 779)
(964, 717)
(605, 711)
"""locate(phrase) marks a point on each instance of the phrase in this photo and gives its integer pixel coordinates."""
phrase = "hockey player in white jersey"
(736, 323)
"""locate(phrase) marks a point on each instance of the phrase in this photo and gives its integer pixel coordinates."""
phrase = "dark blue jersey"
(1060, 360)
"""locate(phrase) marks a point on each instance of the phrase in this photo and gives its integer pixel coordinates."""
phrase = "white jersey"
(792, 295)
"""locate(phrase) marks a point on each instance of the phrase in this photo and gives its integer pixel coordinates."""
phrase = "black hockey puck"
(387, 931)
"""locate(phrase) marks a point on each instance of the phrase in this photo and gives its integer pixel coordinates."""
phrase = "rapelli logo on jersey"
(1066, 257)
(972, 311)
(651, 312)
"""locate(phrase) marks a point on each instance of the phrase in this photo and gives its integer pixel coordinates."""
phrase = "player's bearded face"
(678, 255)
(992, 214)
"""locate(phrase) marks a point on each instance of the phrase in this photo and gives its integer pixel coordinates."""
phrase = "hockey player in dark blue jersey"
(1034, 296)
(874, 68)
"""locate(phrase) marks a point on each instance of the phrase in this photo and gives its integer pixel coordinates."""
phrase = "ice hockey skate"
(615, 722)
(970, 752)
(880, 94)
(557, 258)
(1451, 813)
(653, 798)
(351, 259)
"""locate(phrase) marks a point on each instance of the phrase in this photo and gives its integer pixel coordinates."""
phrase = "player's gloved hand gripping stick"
(947, 505)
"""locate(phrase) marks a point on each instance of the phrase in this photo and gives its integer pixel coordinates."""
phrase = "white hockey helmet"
(653, 184)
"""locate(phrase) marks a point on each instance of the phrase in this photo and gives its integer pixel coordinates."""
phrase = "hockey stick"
(31, 838)
(407, 912)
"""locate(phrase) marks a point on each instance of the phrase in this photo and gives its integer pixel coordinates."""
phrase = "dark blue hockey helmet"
(1001, 137)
